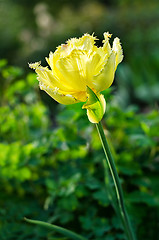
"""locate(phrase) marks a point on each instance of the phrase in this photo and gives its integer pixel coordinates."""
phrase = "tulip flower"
(79, 70)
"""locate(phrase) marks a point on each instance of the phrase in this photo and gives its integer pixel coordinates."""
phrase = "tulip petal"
(63, 99)
(106, 46)
(59, 96)
(44, 75)
(118, 50)
(95, 63)
(50, 85)
(105, 79)
(72, 70)
(85, 43)
(52, 61)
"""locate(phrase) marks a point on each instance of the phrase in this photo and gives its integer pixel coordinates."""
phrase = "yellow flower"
(79, 68)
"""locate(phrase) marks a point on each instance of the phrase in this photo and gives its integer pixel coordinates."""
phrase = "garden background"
(50, 155)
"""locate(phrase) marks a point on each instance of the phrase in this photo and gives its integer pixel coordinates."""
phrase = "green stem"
(118, 188)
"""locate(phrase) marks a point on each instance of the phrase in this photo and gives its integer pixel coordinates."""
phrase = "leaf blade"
(58, 229)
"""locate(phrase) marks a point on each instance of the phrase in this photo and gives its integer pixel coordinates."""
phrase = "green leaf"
(95, 106)
(58, 229)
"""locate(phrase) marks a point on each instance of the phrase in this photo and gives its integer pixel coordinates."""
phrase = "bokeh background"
(51, 161)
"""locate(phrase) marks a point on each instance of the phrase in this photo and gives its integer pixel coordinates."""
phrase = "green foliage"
(51, 160)
(51, 165)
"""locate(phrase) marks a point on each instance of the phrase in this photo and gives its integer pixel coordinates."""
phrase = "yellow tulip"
(79, 69)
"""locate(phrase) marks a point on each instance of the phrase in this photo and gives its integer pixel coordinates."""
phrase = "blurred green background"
(51, 160)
